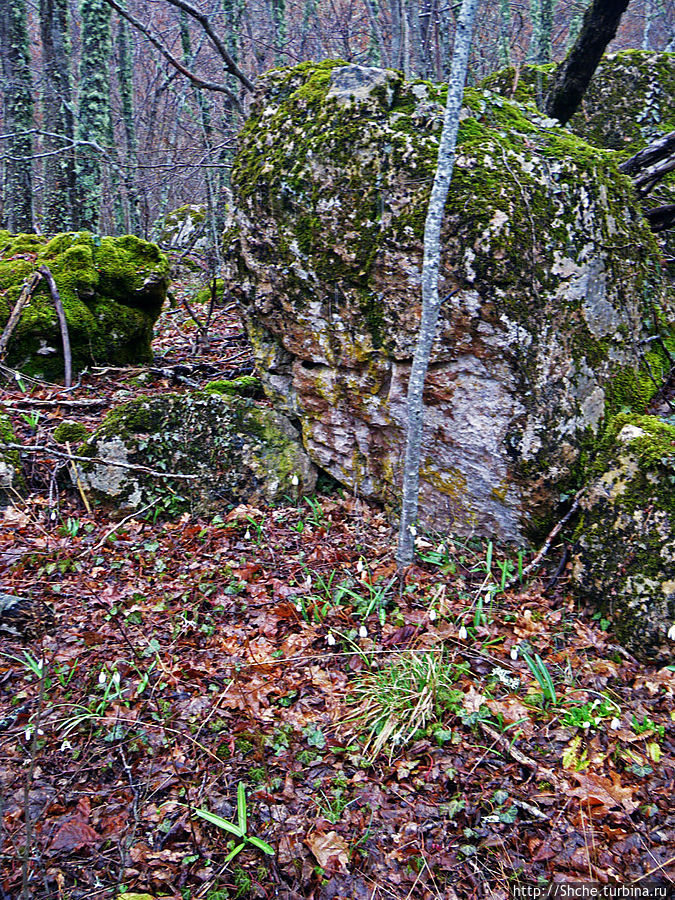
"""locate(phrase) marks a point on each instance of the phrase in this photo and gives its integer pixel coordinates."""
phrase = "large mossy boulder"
(625, 543)
(628, 103)
(112, 289)
(231, 450)
(552, 279)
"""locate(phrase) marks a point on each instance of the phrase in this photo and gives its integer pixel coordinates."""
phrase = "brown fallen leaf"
(598, 790)
(512, 710)
(330, 851)
(75, 832)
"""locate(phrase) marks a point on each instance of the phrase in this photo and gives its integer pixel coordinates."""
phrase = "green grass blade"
(241, 807)
(219, 822)
(261, 845)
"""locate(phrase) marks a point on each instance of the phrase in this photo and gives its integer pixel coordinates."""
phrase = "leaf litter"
(389, 740)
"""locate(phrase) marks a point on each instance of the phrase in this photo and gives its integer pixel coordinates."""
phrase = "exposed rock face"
(625, 561)
(237, 452)
(554, 275)
(182, 229)
(112, 291)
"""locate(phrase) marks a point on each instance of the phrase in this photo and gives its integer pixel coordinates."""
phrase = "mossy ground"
(112, 291)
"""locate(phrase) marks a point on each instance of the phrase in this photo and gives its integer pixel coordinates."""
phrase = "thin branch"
(45, 272)
(116, 463)
(24, 297)
(177, 64)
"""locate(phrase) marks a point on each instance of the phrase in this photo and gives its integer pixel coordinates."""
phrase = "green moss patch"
(112, 291)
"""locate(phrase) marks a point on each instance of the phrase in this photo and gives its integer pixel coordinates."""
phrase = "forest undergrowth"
(256, 706)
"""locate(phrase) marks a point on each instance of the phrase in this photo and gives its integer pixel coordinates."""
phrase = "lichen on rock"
(112, 291)
(234, 451)
(552, 278)
(624, 559)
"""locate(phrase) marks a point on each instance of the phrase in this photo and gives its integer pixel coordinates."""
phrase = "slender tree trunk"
(431, 302)
(94, 109)
(125, 77)
(57, 113)
(574, 75)
(17, 104)
(505, 33)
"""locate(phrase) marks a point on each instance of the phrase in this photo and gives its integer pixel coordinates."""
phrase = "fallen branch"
(116, 463)
(85, 403)
(63, 325)
(661, 218)
(13, 321)
(555, 531)
(519, 757)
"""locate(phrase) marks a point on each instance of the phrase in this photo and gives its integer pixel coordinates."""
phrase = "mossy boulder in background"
(183, 229)
(235, 451)
(625, 549)
(552, 277)
(11, 478)
(112, 290)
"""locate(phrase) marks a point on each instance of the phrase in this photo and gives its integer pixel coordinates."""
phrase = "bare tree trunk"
(431, 302)
(574, 74)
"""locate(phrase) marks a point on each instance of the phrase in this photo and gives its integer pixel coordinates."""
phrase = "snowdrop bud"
(514, 652)
(116, 677)
(671, 632)
(330, 639)
(28, 733)
(432, 615)
(463, 633)
(53, 515)
(363, 631)
(295, 481)
(615, 723)
(247, 536)
(308, 581)
(102, 678)
(359, 566)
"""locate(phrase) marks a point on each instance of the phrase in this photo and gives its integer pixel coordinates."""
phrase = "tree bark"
(94, 112)
(431, 302)
(574, 74)
(17, 101)
(59, 166)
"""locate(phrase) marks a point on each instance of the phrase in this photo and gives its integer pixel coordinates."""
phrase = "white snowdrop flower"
(440, 549)
(66, 745)
(432, 615)
(40, 732)
(308, 581)
(116, 678)
(514, 652)
(463, 633)
(53, 515)
(298, 606)
(330, 639)
(28, 733)
(363, 631)
(295, 481)
(360, 566)
(413, 530)
(586, 726)
(102, 678)
(615, 723)
(671, 632)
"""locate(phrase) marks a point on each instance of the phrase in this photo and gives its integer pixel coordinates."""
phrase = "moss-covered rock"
(552, 277)
(183, 228)
(70, 433)
(231, 450)
(112, 291)
(625, 556)
(244, 386)
(11, 477)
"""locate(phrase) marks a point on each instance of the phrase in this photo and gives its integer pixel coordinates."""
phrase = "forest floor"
(349, 735)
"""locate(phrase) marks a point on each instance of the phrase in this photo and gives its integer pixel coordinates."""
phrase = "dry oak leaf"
(512, 710)
(473, 700)
(330, 851)
(599, 790)
(75, 832)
